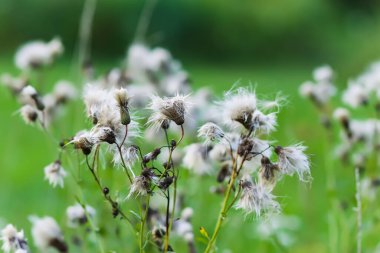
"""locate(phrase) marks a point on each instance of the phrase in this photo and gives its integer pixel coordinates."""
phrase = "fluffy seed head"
(211, 132)
(292, 160)
(55, 174)
(13, 240)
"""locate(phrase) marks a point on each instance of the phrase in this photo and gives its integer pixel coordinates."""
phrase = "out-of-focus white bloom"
(307, 89)
(257, 199)
(355, 95)
(13, 240)
(168, 109)
(55, 174)
(15, 84)
(37, 54)
(238, 107)
(183, 226)
(158, 58)
(323, 74)
(94, 97)
(218, 152)
(211, 132)
(78, 215)
(321, 91)
(293, 160)
(341, 114)
(29, 114)
(196, 159)
(47, 234)
(64, 91)
(136, 61)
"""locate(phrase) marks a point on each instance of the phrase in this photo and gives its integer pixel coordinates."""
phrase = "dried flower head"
(122, 100)
(268, 173)
(257, 198)
(55, 174)
(85, 141)
(172, 109)
(13, 240)
(141, 184)
(293, 160)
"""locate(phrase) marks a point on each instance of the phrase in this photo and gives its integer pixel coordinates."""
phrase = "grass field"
(25, 151)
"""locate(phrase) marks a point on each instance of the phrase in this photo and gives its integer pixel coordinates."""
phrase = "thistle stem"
(222, 213)
(142, 224)
(113, 203)
(358, 212)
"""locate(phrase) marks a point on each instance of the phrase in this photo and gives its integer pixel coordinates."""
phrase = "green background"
(272, 44)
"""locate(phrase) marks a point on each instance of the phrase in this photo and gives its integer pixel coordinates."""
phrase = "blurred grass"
(25, 151)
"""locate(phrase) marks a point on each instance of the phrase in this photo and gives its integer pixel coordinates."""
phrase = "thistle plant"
(248, 172)
(358, 139)
(143, 124)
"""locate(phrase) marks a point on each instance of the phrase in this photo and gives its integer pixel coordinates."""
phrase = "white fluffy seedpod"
(341, 114)
(238, 107)
(264, 123)
(158, 57)
(293, 160)
(211, 132)
(168, 109)
(196, 159)
(307, 89)
(355, 95)
(78, 215)
(37, 54)
(64, 91)
(323, 74)
(55, 174)
(29, 114)
(257, 199)
(15, 84)
(47, 234)
(94, 98)
(13, 241)
(130, 155)
(55, 47)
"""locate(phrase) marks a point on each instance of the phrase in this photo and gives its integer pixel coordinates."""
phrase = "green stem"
(142, 225)
(222, 213)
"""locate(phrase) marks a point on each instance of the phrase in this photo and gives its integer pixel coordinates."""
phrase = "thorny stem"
(142, 224)
(113, 203)
(358, 211)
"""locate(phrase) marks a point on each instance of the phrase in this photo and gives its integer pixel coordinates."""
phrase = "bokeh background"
(270, 43)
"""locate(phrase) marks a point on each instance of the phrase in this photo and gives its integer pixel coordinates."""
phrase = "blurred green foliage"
(263, 31)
